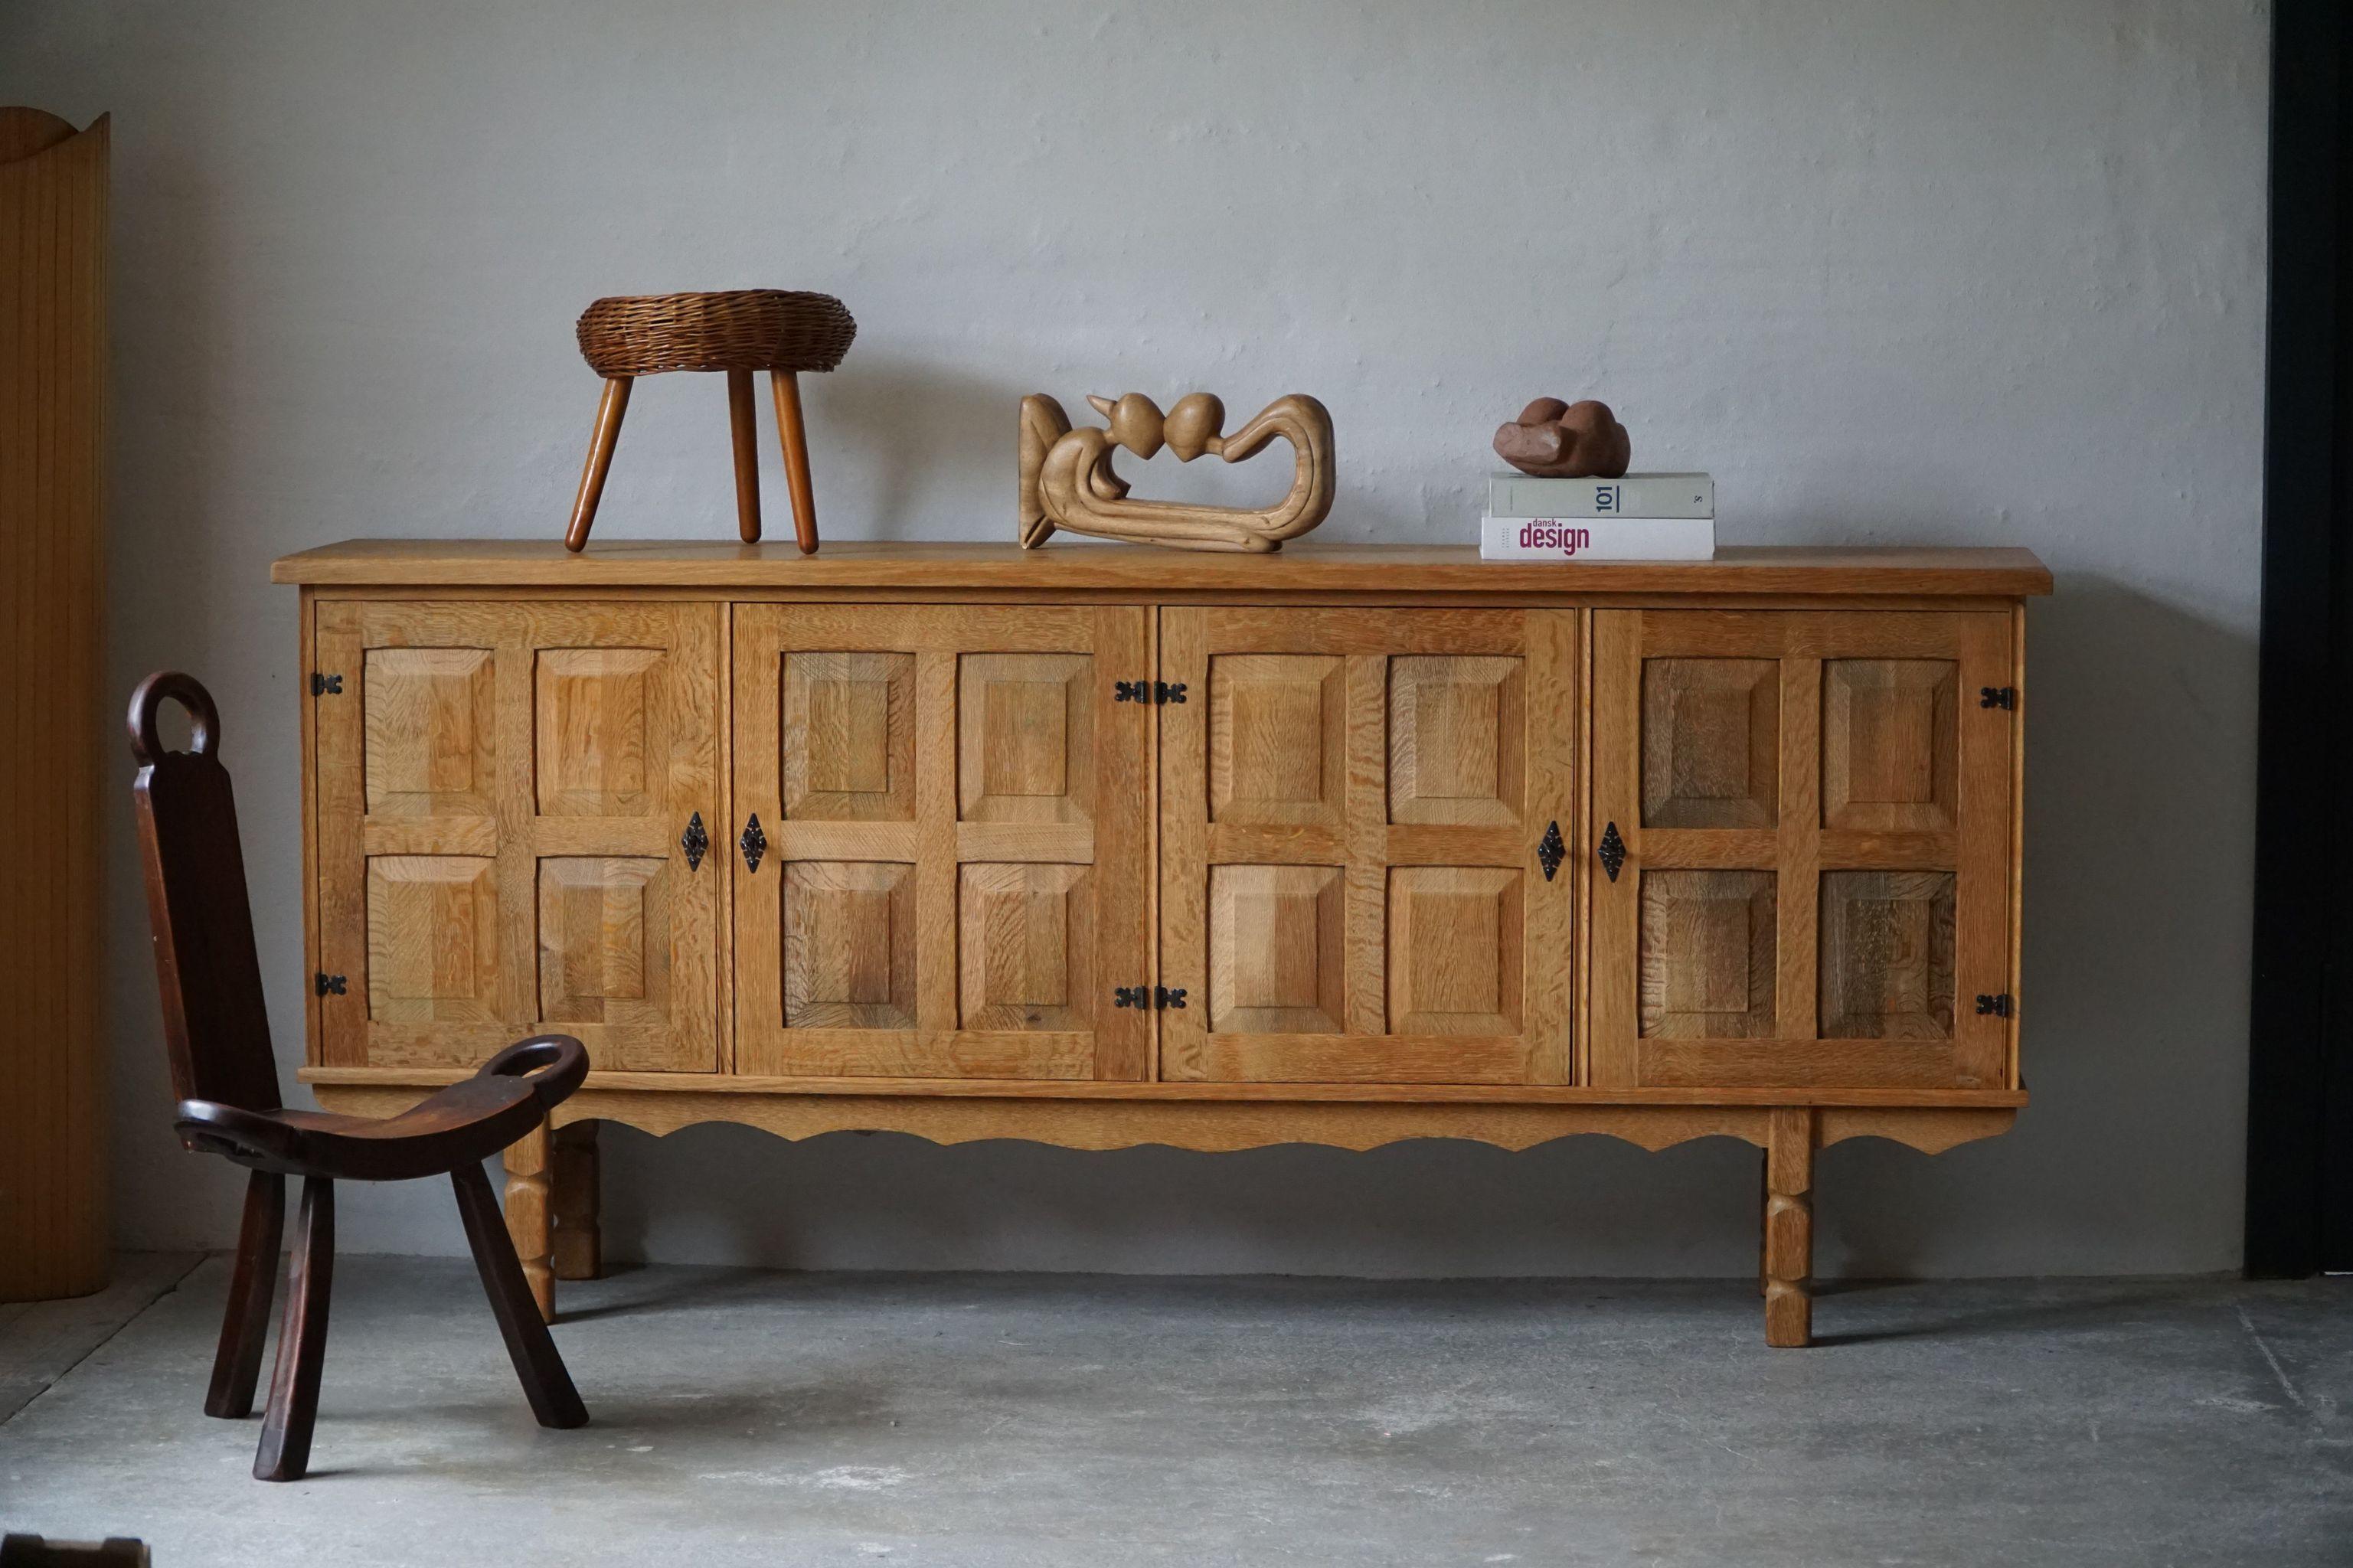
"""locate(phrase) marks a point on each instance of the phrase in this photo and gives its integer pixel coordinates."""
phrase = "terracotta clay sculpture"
(1067, 479)
(1557, 440)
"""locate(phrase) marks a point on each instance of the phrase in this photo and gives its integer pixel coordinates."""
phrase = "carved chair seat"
(218, 1036)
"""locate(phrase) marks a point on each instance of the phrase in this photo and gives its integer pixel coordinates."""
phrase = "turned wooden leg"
(601, 441)
(786, 387)
(528, 1219)
(285, 1451)
(237, 1364)
(747, 455)
(1789, 1227)
(545, 1383)
(574, 1250)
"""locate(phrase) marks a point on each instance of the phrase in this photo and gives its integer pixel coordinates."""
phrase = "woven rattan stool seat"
(737, 332)
(742, 329)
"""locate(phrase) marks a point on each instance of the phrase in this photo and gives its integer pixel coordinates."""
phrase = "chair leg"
(747, 455)
(601, 442)
(794, 437)
(545, 1383)
(237, 1364)
(285, 1451)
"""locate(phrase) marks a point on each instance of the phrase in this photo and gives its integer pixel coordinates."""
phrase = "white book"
(1597, 538)
(1631, 496)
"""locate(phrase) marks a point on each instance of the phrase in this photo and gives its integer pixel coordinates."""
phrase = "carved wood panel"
(955, 877)
(1817, 877)
(1349, 831)
(500, 792)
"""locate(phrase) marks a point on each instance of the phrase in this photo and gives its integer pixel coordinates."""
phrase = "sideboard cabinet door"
(501, 793)
(1815, 816)
(1356, 881)
(951, 871)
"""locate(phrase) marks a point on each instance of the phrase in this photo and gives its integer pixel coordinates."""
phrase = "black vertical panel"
(2300, 1073)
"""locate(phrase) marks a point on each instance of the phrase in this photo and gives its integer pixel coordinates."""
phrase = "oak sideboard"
(1102, 845)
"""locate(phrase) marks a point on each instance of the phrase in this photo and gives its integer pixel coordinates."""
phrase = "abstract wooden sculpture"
(1553, 440)
(740, 332)
(1067, 479)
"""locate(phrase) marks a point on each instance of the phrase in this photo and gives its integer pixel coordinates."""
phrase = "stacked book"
(1641, 517)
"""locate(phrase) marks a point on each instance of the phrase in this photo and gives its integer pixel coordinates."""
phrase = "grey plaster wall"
(1893, 271)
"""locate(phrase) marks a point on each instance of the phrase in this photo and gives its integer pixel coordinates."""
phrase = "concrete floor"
(997, 1419)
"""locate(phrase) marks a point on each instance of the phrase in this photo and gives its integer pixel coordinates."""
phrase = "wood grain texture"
(1393, 574)
(1348, 832)
(530, 1216)
(1890, 856)
(1067, 480)
(53, 357)
(1789, 1228)
(959, 864)
(575, 1242)
(501, 791)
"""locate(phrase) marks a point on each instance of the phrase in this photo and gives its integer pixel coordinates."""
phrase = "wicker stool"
(739, 332)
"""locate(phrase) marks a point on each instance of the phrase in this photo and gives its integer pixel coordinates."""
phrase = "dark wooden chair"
(226, 1082)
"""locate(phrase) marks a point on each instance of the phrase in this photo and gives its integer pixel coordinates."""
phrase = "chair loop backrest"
(215, 1027)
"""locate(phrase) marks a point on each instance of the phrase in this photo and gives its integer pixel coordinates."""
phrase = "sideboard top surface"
(1369, 569)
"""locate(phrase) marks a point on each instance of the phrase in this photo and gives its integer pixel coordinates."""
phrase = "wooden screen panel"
(1887, 955)
(1025, 941)
(975, 884)
(1275, 963)
(1890, 744)
(431, 742)
(1711, 743)
(1276, 752)
(500, 792)
(1842, 941)
(595, 712)
(1349, 831)
(1707, 957)
(846, 747)
(849, 946)
(1456, 948)
(433, 939)
(1456, 737)
(1025, 722)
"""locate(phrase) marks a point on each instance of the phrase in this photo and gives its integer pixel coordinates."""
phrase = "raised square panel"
(1707, 946)
(1890, 734)
(1025, 735)
(1455, 740)
(430, 747)
(1711, 743)
(1887, 955)
(432, 939)
(1025, 947)
(592, 708)
(601, 957)
(1274, 950)
(1454, 953)
(847, 736)
(1276, 753)
(849, 946)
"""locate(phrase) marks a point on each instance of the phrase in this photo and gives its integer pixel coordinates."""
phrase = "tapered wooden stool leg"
(545, 1383)
(1789, 1228)
(601, 441)
(574, 1252)
(285, 1451)
(529, 1219)
(795, 440)
(237, 1364)
(747, 455)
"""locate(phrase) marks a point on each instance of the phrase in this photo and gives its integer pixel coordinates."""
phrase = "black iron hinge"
(1997, 696)
(694, 841)
(328, 985)
(1146, 691)
(753, 842)
(1997, 1005)
(1612, 851)
(326, 684)
(1551, 851)
(1147, 997)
